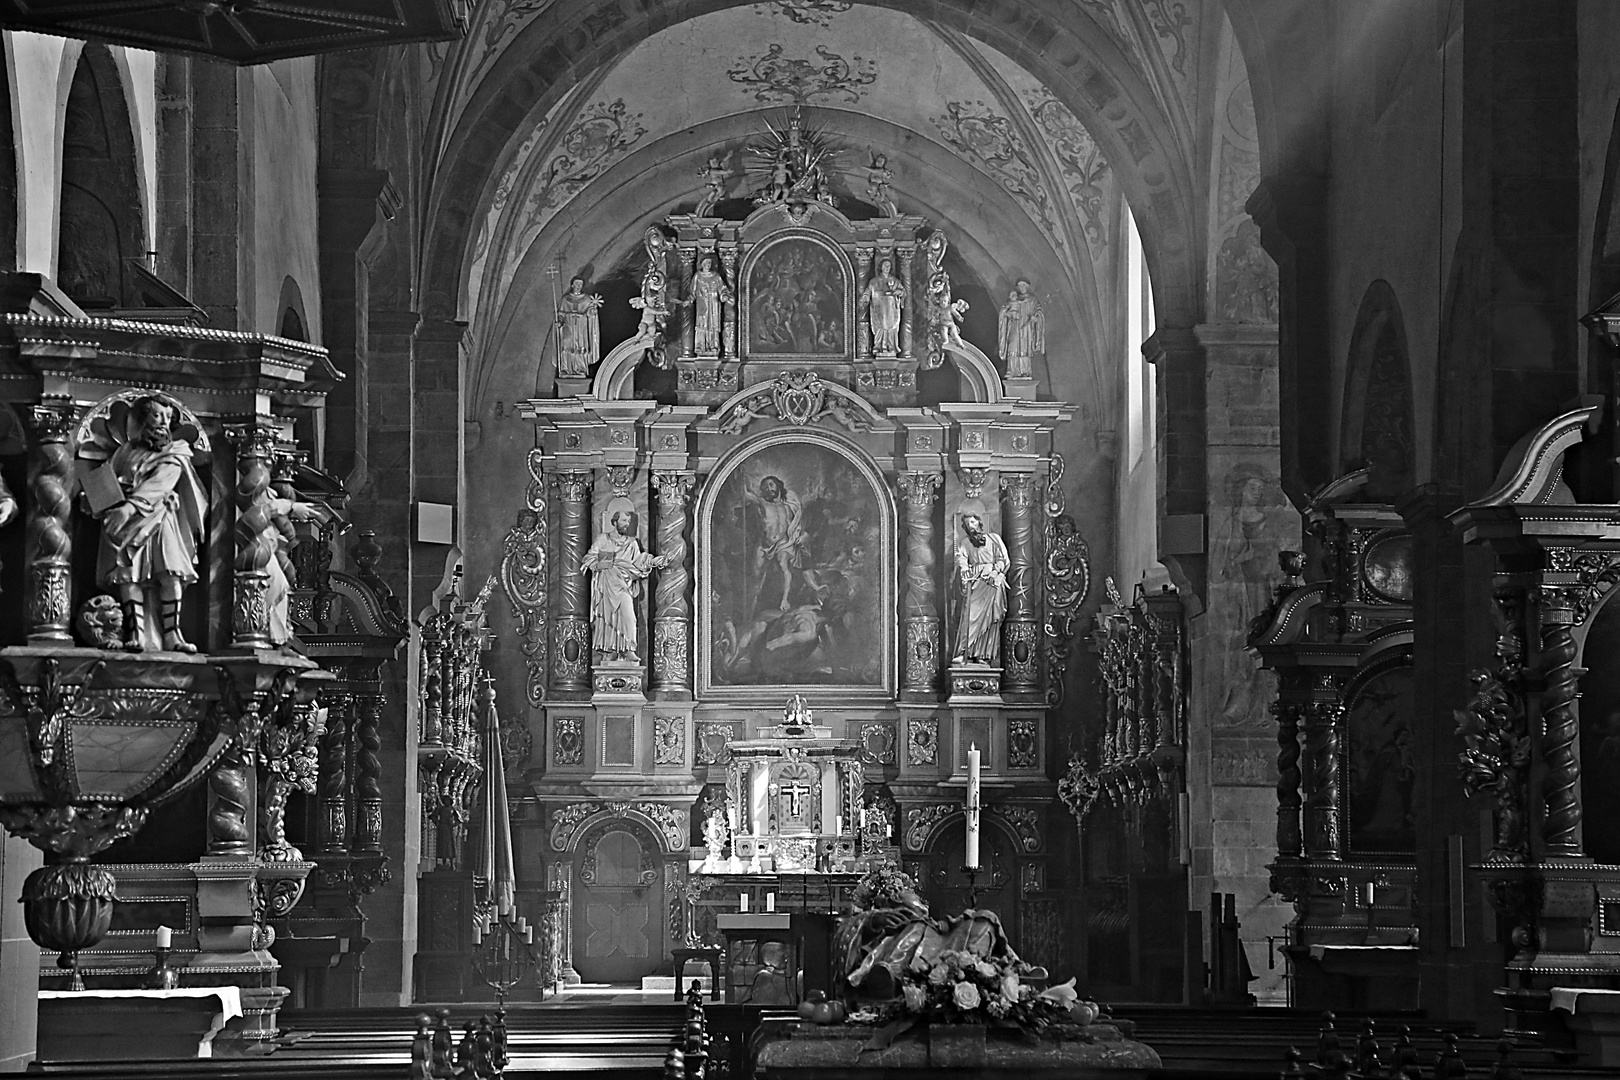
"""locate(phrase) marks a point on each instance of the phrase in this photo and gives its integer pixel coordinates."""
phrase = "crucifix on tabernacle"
(795, 792)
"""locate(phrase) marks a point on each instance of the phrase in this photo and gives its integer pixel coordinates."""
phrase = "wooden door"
(618, 914)
(945, 886)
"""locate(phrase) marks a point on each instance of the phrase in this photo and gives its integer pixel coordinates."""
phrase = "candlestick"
(528, 935)
(973, 807)
(165, 937)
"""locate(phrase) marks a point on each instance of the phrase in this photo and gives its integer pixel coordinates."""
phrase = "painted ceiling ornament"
(1085, 170)
(985, 136)
(805, 12)
(793, 162)
(778, 79)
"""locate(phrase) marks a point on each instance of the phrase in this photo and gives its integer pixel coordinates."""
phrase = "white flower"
(1010, 986)
(914, 996)
(986, 970)
(1063, 993)
(940, 975)
(966, 996)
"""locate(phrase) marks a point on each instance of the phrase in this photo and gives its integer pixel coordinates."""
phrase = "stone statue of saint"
(714, 184)
(709, 291)
(878, 178)
(981, 570)
(714, 837)
(618, 566)
(1022, 335)
(883, 298)
(149, 539)
(578, 331)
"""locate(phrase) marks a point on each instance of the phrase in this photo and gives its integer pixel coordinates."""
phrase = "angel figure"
(879, 176)
(714, 183)
(284, 508)
(653, 314)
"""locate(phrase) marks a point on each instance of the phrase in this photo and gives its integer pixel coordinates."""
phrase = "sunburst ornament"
(791, 163)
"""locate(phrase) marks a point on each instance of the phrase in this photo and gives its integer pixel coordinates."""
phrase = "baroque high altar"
(793, 523)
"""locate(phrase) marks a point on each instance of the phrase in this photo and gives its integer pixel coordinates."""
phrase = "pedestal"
(1019, 388)
(567, 387)
(618, 681)
(134, 1025)
(975, 684)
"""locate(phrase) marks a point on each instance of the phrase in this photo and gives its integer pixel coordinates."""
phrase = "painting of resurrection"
(796, 301)
(795, 573)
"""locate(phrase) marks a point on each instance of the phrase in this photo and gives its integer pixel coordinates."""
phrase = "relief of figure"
(709, 292)
(149, 539)
(1022, 331)
(578, 331)
(981, 570)
(883, 299)
(618, 566)
(1241, 556)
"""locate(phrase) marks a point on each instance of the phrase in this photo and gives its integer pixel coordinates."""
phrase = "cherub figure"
(879, 177)
(714, 183)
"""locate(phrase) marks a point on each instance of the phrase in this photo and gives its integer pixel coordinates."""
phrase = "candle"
(863, 819)
(742, 903)
(165, 937)
(973, 807)
(838, 825)
(1367, 894)
(478, 934)
(770, 901)
(528, 935)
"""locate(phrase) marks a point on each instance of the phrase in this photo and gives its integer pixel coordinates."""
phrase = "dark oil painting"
(796, 589)
(1382, 768)
(796, 301)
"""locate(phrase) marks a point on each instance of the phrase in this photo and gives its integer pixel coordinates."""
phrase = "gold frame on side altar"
(863, 464)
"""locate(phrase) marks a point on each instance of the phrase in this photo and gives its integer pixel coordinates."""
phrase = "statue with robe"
(883, 298)
(149, 537)
(981, 571)
(1022, 330)
(617, 566)
(578, 331)
(709, 292)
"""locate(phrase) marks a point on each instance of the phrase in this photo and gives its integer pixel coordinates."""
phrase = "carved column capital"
(1018, 490)
(572, 487)
(674, 489)
(919, 489)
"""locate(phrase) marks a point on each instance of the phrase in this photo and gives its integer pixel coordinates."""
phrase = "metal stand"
(162, 976)
(504, 954)
(972, 873)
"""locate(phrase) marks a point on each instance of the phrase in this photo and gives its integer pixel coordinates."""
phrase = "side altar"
(796, 482)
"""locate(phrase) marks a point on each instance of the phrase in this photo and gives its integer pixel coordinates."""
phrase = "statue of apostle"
(617, 565)
(1022, 334)
(709, 291)
(578, 331)
(981, 569)
(149, 538)
(883, 298)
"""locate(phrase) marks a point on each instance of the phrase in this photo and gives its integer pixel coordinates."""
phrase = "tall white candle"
(838, 825)
(165, 937)
(742, 903)
(973, 807)
(770, 901)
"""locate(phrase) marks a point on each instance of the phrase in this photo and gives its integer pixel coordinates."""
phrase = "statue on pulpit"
(617, 566)
(981, 572)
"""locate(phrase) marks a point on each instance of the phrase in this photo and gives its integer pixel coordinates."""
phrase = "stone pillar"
(910, 305)
(1020, 632)
(689, 256)
(921, 667)
(349, 203)
(863, 275)
(334, 776)
(571, 634)
(1324, 831)
(728, 338)
(49, 544)
(256, 537)
(672, 613)
(368, 774)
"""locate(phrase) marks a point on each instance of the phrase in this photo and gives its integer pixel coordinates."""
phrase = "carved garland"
(669, 822)
(1068, 580)
(1496, 758)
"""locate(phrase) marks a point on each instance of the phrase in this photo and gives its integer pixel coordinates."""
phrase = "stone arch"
(1377, 424)
(100, 226)
(1049, 38)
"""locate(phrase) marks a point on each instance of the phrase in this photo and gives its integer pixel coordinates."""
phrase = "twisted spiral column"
(729, 349)
(1323, 804)
(255, 535)
(334, 775)
(368, 774)
(921, 668)
(571, 641)
(1020, 676)
(49, 544)
(863, 327)
(1288, 803)
(909, 305)
(672, 611)
(1561, 729)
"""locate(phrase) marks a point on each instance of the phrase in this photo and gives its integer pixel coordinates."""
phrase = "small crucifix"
(794, 792)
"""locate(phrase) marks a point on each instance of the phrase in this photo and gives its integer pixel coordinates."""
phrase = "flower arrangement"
(960, 987)
(885, 885)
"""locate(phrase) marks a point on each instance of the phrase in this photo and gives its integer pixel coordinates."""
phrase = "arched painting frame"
(830, 632)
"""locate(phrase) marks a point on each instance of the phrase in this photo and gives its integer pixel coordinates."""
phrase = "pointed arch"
(1377, 424)
(100, 229)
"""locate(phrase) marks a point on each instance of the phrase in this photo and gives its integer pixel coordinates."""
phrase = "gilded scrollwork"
(523, 579)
